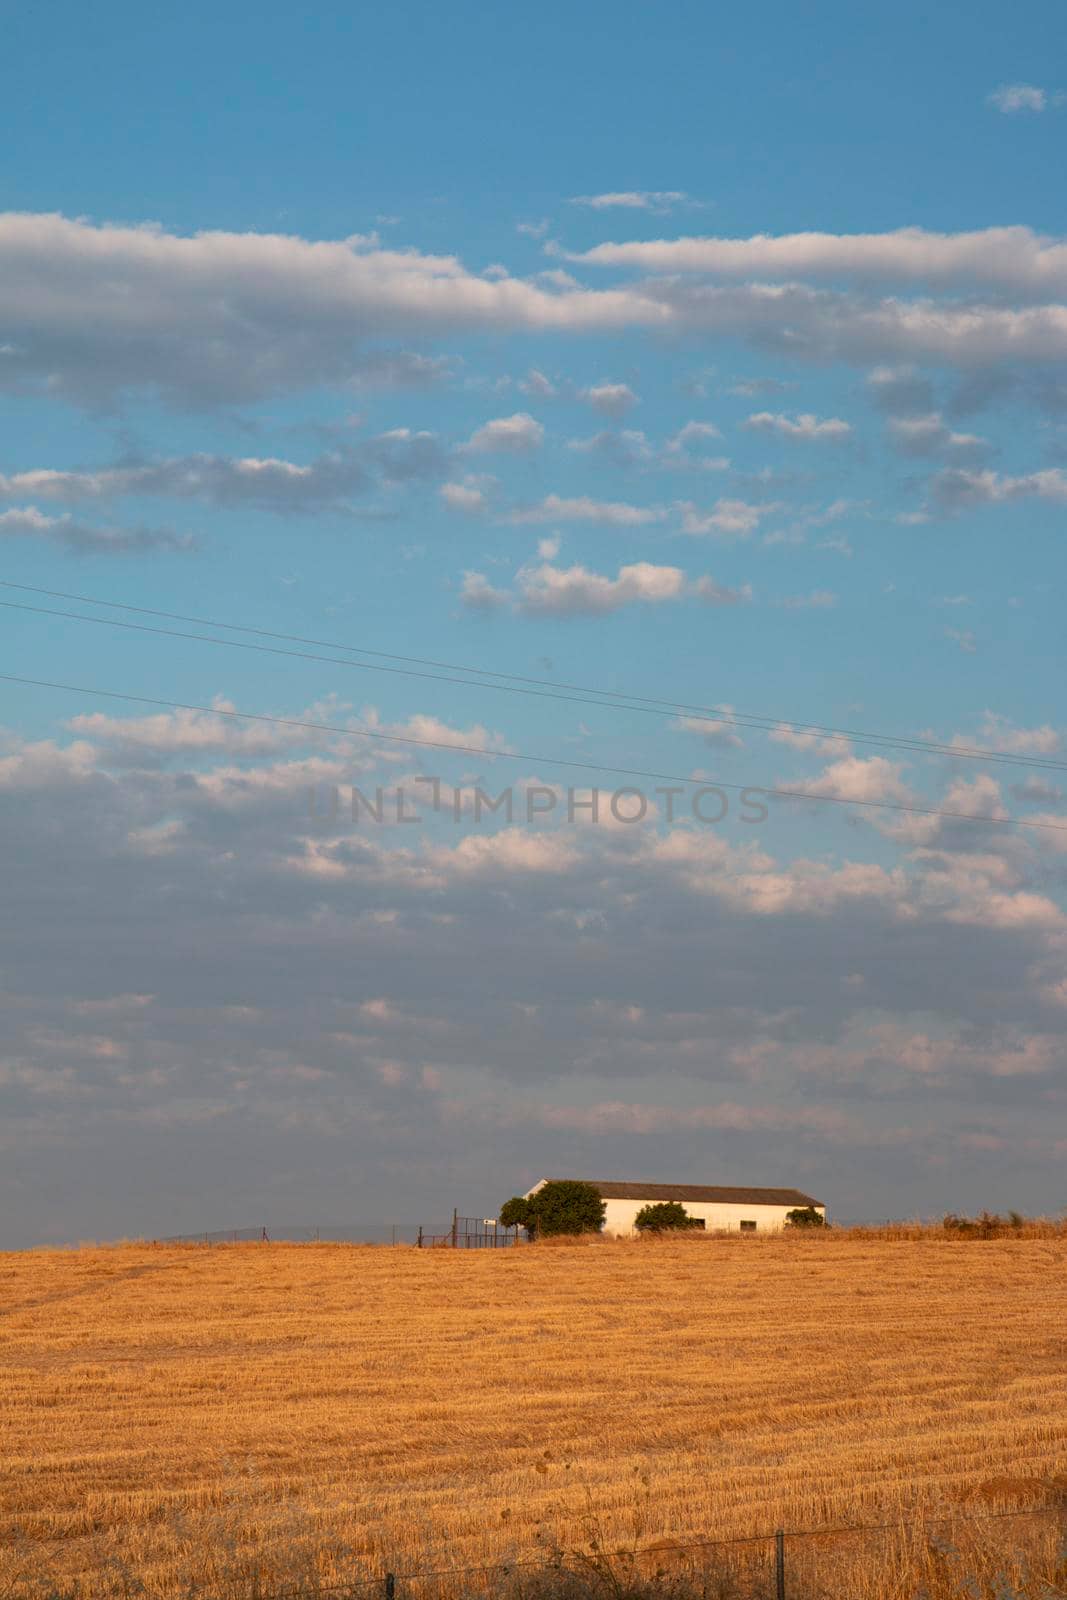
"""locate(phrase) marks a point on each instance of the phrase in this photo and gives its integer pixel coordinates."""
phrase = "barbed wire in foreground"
(546, 1561)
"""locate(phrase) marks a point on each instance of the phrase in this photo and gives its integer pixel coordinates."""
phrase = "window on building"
(748, 1227)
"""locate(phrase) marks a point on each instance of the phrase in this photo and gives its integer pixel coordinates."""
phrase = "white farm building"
(724, 1209)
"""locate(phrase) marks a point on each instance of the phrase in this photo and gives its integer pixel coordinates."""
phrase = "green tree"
(515, 1213)
(561, 1206)
(663, 1217)
(805, 1217)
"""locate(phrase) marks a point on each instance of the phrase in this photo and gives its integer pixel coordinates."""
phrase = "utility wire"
(540, 688)
(546, 760)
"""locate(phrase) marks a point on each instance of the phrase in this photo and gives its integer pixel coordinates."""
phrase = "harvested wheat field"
(182, 1415)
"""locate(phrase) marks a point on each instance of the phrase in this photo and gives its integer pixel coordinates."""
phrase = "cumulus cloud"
(29, 522)
(928, 435)
(545, 589)
(348, 953)
(515, 435)
(610, 399)
(99, 312)
(732, 519)
(1014, 97)
(535, 383)
(901, 391)
(1013, 258)
(632, 200)
(955, 488)
(805, 428)
(718, 733)
(472, 495)
(217, 318)
(325, 484)
(582, 508)
(630, 447)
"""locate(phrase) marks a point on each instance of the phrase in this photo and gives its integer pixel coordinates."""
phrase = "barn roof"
(703, 1192)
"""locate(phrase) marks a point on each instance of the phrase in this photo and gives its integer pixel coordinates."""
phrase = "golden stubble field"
(163, 1408)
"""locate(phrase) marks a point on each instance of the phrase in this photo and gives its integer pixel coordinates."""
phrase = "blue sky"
(710, 357)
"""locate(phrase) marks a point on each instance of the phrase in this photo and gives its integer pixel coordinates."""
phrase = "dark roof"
(703, 1191)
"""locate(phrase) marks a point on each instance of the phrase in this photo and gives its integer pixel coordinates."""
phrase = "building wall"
(620, 1214)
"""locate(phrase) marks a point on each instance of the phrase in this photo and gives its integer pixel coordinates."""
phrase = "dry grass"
(174, 1415)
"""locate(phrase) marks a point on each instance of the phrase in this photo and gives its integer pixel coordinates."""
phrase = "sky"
(430, 400)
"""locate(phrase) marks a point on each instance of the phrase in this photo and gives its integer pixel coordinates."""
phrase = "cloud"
(866, 778)
(99, 312)
(610, 399)
(955, 488)
(515, 435)
(929, 436)
(734, 519)
(471, 496)
(1013, 258)
(964, 638)
(535, 383)
(1014, 97)
(221, 318)
(901, 391)
(749, 388)
(719, 735)
(582, 508)
(998, 734)
(545, 589)
(632, 200)
(28, 522)
(630, 447)
(518, 966)
(804, 428)
(569, 591)
(478, 594)
(325, 484)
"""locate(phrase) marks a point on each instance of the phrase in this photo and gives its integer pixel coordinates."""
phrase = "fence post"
(390, 1586)
(455, 1227)
(779, 1564)
(419, 1239)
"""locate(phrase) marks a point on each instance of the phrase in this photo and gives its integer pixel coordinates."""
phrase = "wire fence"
(784, 1564)
(457, 1233)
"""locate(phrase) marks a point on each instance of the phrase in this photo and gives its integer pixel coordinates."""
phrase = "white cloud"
(216, 318)
(805, 427)
(569, 591)
(535, 383)
(997, 733)
(1006, 258)
(1014, 97)
(269, 484)
(29, 522)
(610, 399)
(470, 496)
(928, 435)
(867, 778)
(735, 519)
(955, 488)
(689, 434)
(582, 508)
(516, 435)
(632, 200)
(544, 589)
(478, 594)
(94, 312)
(719, 734)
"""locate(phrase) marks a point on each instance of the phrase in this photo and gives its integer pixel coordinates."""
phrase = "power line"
(546, 760)
(513, 683)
